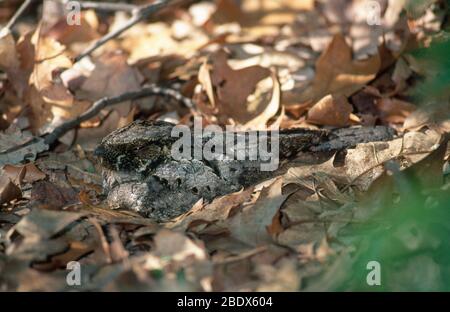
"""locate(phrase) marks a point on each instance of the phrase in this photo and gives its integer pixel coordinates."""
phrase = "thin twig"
(18, 14)
(62, 129)
(138, 15)
(59, 131)
(113, 7)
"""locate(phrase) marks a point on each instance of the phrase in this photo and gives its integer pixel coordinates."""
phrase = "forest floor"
(381, 207)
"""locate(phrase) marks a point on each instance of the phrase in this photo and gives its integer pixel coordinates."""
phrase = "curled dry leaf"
(228, 91)
(331, 111)
(363, 164)
(261, 120)
(394, 110)
(158, 39)
(44, 224)
(337, 73)
(218, 210)
(8, 51)
(10, 63)
(67, 34)
(252, 225)
(28, 173)
(51, 60)
(8, 190)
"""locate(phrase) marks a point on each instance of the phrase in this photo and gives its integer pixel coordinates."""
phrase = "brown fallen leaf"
(394, 110)
(232, 89)
(380, 194)
(46, 195)
(258, 18)
(43, 224)
(363, 164)
(8, 190)
(28, 173)
(252, 225)
(51, 60)
(331, 111)
(160, 39)
(112, 76)
(75, 252)
(84, 32)
(338, 74)
(219, 209)
(10, 62)
(34, 249)
(261, 120)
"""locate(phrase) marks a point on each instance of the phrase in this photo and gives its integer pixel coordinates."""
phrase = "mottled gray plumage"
(141, 174)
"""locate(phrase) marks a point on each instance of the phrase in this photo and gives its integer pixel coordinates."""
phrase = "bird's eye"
(140, 147)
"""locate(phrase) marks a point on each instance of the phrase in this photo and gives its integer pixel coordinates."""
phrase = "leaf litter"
(256, 65)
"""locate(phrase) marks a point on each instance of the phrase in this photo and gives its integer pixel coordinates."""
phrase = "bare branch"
(18, 14)
(105, 6)
(62, 129)
(106, 102)
(138, 15)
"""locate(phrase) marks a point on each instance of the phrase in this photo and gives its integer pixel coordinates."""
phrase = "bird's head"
(137, 147)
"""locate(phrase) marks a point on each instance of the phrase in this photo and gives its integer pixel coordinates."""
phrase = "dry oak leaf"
(259, 18)
(50, 60)
(394, 110)
(219, 209)
(229, 89)
(9, 61)
(8, 190)
(84, 32)
(27, 173)
(44, 224)
(337, 73)
(17, 60)
(146, 41)
(253, 225)
(112, 76)
(331, 111)
(275, 12)
(46, 195)
(270, 110)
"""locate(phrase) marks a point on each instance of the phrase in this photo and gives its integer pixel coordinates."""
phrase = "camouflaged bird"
(141, 173)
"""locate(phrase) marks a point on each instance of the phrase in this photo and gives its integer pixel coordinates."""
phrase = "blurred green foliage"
(408, 238)
(433, 63)
(410, 235)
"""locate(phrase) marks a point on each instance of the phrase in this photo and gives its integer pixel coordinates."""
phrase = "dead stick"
(62, 129)
(18, 14)
(105, 102)
(113, 7)
(138, 15)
